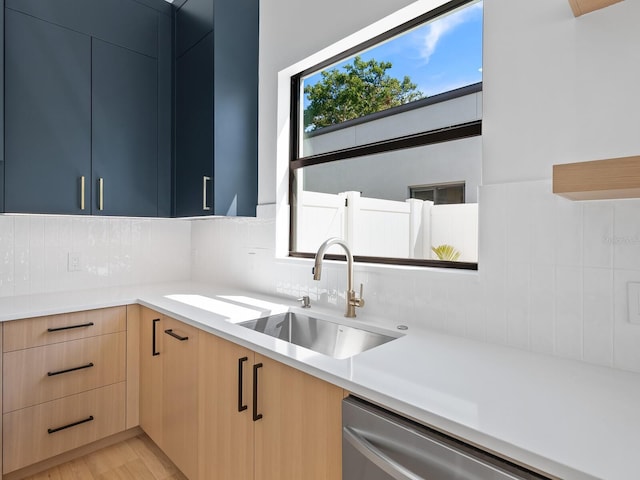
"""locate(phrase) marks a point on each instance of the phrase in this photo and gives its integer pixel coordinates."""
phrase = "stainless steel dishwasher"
(380, 445)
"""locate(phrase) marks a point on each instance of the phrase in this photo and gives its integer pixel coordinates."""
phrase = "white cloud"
(437, 29)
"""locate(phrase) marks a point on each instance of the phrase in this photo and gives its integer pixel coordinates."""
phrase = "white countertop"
(562, 417)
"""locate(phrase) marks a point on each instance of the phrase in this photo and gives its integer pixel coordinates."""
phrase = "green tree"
(359, 89)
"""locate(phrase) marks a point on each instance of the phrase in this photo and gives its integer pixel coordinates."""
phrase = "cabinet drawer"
(33, 332)
(88, 417)
(41, 374)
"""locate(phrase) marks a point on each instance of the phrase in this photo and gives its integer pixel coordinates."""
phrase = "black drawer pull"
(54, 430)
(256, 415)
(59, 372)
(57, 329)
(153, 338)
(175, 335)
(241, 407)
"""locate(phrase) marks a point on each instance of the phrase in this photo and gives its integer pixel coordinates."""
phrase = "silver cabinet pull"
(101, 193)
(205, 179)
(82, 192)
(376, 456)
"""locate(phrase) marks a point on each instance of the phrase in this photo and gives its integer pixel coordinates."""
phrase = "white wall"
(558, 89)
(34, 252)
(552, 279)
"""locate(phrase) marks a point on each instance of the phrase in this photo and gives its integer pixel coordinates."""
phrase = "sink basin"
(322, 336)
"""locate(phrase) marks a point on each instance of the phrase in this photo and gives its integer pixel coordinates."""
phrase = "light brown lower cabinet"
(263, 420)
(227, 432)
(64, 383)
(151, 381)
(169, 388)
(62, 369)
(42, 431)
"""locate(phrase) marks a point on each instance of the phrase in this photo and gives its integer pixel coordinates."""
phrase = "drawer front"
(88, 417)
(34, 332)
(41, 374)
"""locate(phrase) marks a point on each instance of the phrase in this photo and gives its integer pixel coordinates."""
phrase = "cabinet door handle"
(82, 192)
(241, 407)
(81, 325)
(153, 338)
(205, 205)
(80, 422)
(175, 335)
(60, 372)
(101, 193)
(256, 416)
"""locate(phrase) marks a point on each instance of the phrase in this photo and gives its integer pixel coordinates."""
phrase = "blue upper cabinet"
(126, 23)
(194, 130)
(124, 141)
(130, 107)
(48, 117)
(216, 108)
(235, 120)
(88, 97)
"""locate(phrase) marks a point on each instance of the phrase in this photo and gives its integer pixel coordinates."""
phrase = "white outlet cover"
(73, 264)
(633, 297)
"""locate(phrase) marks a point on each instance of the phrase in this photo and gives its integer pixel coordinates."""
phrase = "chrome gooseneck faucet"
(352, 300)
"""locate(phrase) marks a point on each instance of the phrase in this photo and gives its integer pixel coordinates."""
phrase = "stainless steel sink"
(322, 336)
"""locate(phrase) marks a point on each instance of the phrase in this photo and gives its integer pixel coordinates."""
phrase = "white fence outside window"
(386, 228)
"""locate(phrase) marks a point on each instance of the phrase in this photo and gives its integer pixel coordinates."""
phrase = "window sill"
(393, 262)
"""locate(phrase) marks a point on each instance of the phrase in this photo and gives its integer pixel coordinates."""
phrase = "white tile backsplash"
(34, 252)
(626, 341)
(552, 282)
(542, 308)
(569, 312)
(598, 315)
(626, 237)
(568, 231)
(552, 275)
(597, 232)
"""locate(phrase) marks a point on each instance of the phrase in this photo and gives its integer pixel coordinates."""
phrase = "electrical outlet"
(73, 264)
(633, 297)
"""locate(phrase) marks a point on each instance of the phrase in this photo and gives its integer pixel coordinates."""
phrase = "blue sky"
(438, 56)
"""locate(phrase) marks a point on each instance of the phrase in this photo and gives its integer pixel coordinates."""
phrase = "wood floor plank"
(139, 470)
(137, 458)
(109, 458)
(156, 461)
(75, 470)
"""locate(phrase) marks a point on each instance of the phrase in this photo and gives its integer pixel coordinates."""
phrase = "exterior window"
(439, 194)
(386, 146)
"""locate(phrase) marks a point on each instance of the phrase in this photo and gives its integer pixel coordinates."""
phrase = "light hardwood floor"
(135, 459)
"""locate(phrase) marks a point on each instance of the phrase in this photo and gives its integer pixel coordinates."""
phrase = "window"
(446, 194)
(385, 143)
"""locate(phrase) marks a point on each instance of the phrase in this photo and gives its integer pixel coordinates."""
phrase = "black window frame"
(438, 187)
(446, 134)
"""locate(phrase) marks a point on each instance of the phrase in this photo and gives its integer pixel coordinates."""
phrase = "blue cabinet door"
(47, 115)
(194, 130)
(124, 131)
(216, 108)
(236, 107)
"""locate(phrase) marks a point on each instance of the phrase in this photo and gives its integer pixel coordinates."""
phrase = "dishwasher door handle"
(378, 457)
